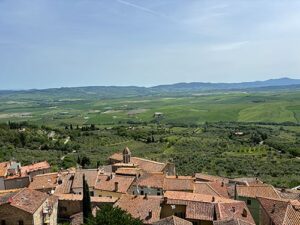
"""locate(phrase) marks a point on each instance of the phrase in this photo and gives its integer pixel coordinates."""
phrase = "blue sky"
(55, 43)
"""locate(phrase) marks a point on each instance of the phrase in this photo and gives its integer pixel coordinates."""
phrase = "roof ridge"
(148, 160)
(214, 190)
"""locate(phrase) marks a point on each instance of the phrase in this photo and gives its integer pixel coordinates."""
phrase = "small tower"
(126, 155)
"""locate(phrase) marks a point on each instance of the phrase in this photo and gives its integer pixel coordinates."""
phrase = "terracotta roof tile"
(171, 183)
(232, 222)
(44, 181)
(210, 178)
(28, 200)
(128, 171)
(144, 164)
(106, 183)
(148, 165)
(275, 208)
(266, 191)
(147, 209)
(66, 180)
(172, 220)
(211, 188)
(73, 197)
(35, 167)
(154, 180)
(184, 197)
(292, 216)
(200, 210)
(237, 210)
(90, 176)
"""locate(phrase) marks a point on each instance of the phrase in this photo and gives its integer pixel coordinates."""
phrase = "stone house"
(28, 207)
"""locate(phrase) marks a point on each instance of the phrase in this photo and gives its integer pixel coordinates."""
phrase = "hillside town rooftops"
(44, 181)
(281, 211)
(180, 183)
(210, 178)
(147, 208)
(90, 176)
(27, 200)
(146, 165)
(35, 167)
(154, 180)
(75, 197)
(172, 220)
(232, 221)
(266, 191)
(114, 183)
(211, 188)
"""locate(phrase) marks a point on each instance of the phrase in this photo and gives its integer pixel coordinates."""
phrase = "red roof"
(35, 167)
(147, 209)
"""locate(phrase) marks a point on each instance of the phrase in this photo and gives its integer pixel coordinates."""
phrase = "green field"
(190, 109)
(196, 131)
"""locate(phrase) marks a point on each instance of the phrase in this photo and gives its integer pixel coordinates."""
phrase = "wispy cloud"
(142, 8)
(229, 46)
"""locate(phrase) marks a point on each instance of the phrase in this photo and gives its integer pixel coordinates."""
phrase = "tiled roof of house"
(275, 208)
(146, 208)
(281, 211)
(44, 181)
(183, 197)
(180, 183)
(289, 194)
(237, 210)
(74, 197)
(200, 210)
(66, 180)
(249, 181)
(116, 156)
(3, 168)
(232, 222)
(172, 220)
(266, 191)
(128, 171)
(207, 207)
(90, 176)
(107, 183)
(144, 164)
(211, 188)
(292, 216)
(34, 167)
(210, 178)
(148, 165)
(28, 200)
(154, 180)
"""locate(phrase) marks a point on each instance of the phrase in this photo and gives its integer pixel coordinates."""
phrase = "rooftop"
(107, 183)
(44, 181)
(266, 191)
(35, 167)
(172, 220)
(146, 208)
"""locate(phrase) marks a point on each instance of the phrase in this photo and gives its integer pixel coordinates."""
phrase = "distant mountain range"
(169, 89)
(227, 86)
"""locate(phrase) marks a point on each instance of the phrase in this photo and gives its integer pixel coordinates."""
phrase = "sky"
(63, 43)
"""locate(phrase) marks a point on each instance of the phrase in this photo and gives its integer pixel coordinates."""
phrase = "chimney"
(233, 209)
(222, 184)
(245, 213)
(146, 196)
(150, 214)
(213, 199)
(116, 186)
(176, 175)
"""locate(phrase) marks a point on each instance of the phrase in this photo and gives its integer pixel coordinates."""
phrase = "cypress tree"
(86, 201)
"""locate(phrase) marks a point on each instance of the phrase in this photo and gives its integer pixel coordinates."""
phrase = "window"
(91, 193)
(248, 202)
(142, 192)
(3, 222)
(21, 222)
(158, 193)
